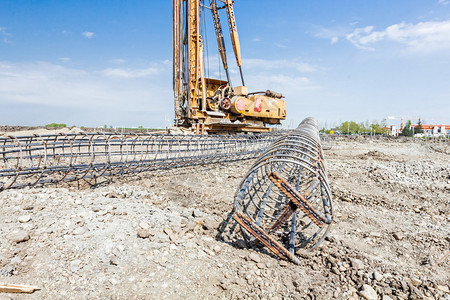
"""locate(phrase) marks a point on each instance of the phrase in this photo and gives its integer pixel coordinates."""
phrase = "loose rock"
(143, 233)
(24, 219)
(255, 257)
(18, 236)
(357, 263)
(398, 236)
(368, 293)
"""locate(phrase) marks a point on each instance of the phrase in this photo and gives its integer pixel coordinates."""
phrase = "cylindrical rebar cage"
(284, 200)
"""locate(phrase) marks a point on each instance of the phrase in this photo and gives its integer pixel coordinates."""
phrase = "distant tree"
(384, 126)
(376, 128)
(56, 125)
(419, 128)
(345, 127)
(407, 129)
(350, 127)
(361, 128)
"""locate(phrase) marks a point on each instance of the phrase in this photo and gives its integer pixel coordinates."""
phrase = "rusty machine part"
(40, 159)
(284, 201)
(205, 105)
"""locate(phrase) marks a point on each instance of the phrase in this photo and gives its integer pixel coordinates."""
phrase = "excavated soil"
(155, 236)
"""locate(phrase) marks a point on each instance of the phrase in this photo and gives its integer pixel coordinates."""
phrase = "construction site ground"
(155, 236)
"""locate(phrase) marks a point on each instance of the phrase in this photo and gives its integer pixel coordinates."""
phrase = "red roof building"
(434, 130)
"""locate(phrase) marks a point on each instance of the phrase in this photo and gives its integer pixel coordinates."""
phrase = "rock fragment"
(113, 260)
(255, 257)
(443, 288)
(209, 224)
(24, 219)
(283, 263)
(112, 195)
(261, 265)
(143, 233)
(18, 236)
(357, 263)
(368, 293)
(377, 276)
(398, 236)
(416, 281)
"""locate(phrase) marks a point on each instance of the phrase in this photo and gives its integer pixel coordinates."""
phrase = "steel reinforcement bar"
(40, 159)
(284, 202)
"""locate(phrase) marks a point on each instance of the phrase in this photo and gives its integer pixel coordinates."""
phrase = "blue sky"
(90, 63)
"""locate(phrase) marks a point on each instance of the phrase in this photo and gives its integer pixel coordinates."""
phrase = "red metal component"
(258, 106)
(225, 104)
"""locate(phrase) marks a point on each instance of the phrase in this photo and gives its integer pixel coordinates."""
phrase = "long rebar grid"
(284, 201)
(40, 159)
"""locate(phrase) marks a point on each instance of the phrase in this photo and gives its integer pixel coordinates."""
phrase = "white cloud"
(43, 88)
(64, 59)
(88, 34)
(256, 39)
(331, 34)
(129, 73)
(423, 37)
(444, 2)
(361, 36)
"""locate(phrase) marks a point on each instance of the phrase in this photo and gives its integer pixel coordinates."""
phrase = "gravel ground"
(155, 236)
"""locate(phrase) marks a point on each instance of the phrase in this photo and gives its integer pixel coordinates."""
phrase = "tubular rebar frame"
(284, 201)
(56, 158)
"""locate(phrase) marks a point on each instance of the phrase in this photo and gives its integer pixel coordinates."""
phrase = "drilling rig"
(207, 105)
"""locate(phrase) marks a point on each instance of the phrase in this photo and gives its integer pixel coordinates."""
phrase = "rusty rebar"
(284, 201)
(55, 158)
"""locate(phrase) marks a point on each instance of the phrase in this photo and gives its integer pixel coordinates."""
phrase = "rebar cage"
(56, 158)
(285, 198)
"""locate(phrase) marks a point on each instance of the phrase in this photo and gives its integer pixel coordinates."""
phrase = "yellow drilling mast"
(212, 105)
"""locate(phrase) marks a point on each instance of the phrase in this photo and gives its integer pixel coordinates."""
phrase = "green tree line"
(352, 127)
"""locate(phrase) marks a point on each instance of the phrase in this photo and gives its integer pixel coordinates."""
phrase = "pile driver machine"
(206, 105)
